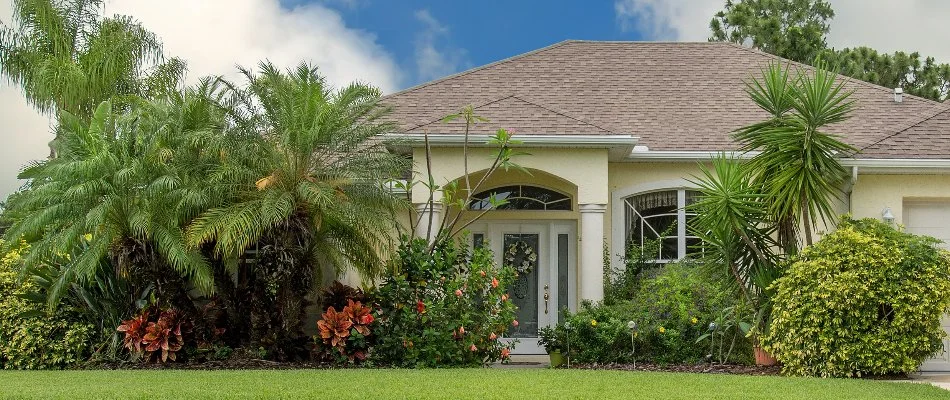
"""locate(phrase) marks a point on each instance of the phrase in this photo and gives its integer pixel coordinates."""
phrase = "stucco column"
(591, 271)
(423, 211)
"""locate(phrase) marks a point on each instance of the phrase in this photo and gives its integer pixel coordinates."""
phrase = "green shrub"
(671, 309)
(444, 307)
(30, 338)
(866, 299)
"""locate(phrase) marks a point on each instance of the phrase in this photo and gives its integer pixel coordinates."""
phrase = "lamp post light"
(632, 325)
(887, 216)
(567, 326)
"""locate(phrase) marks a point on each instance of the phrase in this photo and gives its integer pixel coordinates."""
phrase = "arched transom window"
(521, 197)
(661, 216)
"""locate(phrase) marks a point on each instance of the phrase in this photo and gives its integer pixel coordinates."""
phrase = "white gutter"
(618, 145)
(899, 163)
(679, 156)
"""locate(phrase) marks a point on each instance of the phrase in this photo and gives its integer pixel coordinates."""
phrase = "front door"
(543, 254)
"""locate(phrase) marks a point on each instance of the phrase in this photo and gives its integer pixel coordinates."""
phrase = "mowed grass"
(440, 384)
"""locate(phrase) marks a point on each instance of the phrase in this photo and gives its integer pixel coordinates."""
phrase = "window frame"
(481, 198)
(682, 217)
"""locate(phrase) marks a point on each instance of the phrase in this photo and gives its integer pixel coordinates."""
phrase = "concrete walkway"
(938, 379)
(519, 361)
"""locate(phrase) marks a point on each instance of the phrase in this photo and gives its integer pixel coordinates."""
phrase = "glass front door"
(543, 254)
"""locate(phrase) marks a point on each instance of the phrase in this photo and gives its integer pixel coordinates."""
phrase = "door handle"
(546, 297)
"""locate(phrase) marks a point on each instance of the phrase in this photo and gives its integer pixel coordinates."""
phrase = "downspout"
(851, 183)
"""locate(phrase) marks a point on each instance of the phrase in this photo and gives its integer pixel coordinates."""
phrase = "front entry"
(544, 254)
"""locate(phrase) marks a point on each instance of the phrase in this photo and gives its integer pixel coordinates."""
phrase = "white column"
(423, 211)
(591, 271)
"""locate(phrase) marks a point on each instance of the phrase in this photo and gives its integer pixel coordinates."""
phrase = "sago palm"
(797, 164)
(117, 194)
(318, 203)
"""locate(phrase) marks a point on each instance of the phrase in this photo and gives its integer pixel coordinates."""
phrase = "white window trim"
(617, 212)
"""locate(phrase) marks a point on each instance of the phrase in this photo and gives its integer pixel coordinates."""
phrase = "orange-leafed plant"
(345, 335)
(155, 335)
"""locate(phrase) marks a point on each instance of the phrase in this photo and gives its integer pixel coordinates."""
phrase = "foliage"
(30, 337)
(797, 165)
(339, 295)
(793, 29)
(346, 335)
(798, 30)
(725, 332)
(671, 309)
(155, 334)
(67, 57)
(116, 196)
(553, 339)
(866, 299)
(622, 283)
(445, 307)
(310, 199)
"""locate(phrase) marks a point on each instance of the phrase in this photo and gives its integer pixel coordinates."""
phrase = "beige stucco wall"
(874, 192)
(585, 168)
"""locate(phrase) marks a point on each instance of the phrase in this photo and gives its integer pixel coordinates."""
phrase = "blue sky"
(474, 33)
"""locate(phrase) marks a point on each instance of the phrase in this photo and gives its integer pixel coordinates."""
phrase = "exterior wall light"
(887, 216)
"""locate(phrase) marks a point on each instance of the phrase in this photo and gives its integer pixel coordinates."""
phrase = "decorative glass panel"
(521, 197)
(521, 251)
(478, 240)
(562, 274)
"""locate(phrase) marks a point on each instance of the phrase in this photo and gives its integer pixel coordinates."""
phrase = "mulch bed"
(730, 369)
(229, 364)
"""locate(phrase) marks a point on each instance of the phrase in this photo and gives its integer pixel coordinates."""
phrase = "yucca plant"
(797, 165)
(317, 204)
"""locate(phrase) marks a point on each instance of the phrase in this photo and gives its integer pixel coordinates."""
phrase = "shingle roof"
(673, 95)
(929, 138)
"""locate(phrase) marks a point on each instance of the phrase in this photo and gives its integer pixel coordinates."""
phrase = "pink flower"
(505, 353)
(494, 282)
(458, 292)
(514, 323)
(461, 330)
(482, 273)
(492, 336)
(504, 297)
(473, 348)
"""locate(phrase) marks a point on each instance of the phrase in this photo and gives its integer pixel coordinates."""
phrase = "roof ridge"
(903, 129)
(474, 107)
(848, 78)
(479, 68)
(562, 113)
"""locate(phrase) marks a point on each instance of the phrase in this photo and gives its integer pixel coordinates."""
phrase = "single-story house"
(615, 130)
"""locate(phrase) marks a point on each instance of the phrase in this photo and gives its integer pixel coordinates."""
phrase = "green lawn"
(441, 384)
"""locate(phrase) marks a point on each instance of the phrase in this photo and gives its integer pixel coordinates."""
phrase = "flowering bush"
(155, 334)
(866, 299)
(444, 307)
(346, 336)
(31, 337)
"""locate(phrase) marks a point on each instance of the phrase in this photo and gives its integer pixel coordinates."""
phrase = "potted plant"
(553, 339)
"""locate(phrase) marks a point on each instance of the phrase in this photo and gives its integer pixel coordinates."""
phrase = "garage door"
(932, 218)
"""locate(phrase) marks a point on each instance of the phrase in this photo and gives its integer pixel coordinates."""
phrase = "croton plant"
(345, 335)
(155, 334)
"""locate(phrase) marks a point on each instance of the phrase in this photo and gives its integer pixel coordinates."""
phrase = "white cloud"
(214, 36)
(681, 20)
(885, 25)
(432, 62)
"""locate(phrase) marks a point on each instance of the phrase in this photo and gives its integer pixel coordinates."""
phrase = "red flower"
(505, 353)
(494, 282)
(458, 292)
(420, 306)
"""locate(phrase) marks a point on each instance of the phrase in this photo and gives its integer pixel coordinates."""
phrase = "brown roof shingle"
(674, 96)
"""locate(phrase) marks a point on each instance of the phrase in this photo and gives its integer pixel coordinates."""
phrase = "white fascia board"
(618, 145)
(684, 156)
(898, 165)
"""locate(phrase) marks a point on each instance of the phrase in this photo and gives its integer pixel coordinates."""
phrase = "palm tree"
(116, 192)
(64, 56)
(797, 163)
(317, 204)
